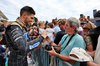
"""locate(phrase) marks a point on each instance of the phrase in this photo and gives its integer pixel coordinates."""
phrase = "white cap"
(81, 54)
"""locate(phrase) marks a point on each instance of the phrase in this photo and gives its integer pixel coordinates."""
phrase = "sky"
(46, 10)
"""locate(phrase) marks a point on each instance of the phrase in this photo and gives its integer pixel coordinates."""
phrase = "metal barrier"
(41, 58)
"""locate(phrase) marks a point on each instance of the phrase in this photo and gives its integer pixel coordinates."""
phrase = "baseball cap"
(79, 54)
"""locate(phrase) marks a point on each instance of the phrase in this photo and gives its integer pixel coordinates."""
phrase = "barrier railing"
(41, 58)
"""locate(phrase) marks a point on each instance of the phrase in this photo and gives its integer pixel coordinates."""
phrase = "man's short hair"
(29, 10)
(62, 21)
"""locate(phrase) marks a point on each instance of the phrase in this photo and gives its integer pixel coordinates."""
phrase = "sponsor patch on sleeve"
(34, 45)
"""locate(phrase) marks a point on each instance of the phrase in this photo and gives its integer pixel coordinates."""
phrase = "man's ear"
(74, 27)
(24, 15)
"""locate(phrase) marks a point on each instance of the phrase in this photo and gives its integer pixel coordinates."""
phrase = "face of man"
(69, 30)
(29, 18)
(61, 26)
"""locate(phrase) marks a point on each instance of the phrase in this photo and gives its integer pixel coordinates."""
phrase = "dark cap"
(97, 18)
(97, 14)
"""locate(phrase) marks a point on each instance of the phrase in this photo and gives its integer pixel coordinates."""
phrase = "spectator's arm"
(53, 44)
(89, 63)
(62, 57)
(89, 47)
(91, 53)
(18, 40)
(66, 58)
(93, 26)
(57, 46)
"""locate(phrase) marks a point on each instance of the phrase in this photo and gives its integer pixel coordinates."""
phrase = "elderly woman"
(70, 40)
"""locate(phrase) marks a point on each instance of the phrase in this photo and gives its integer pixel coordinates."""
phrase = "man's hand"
(31, 32)
(52, 52)
(48, 39)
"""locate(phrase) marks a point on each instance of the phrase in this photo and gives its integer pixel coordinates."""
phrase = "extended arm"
(15, 35)
(62, 57)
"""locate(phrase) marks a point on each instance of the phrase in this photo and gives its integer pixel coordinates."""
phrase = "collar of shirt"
(21, 22)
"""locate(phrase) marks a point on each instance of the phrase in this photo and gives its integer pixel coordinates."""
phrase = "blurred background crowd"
(55, 31)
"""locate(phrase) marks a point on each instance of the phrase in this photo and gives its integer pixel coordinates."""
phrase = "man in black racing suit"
(18, 45)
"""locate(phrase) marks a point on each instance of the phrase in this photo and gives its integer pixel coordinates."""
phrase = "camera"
(48, 47)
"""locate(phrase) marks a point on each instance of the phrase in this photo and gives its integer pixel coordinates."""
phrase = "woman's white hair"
(74, 22)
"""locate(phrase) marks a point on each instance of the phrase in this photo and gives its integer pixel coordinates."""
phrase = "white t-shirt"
(50, 32)
(97, 53)
(56, 29)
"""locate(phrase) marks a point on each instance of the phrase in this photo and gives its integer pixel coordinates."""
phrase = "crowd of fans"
(62, 35)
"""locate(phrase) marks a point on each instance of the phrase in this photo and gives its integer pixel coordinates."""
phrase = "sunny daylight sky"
(50, 9)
